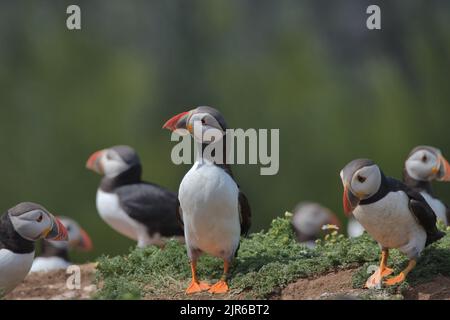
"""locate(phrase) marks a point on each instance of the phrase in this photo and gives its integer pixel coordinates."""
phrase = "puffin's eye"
(203, 121)
(39, 219)
(424, 158)
(361, 179)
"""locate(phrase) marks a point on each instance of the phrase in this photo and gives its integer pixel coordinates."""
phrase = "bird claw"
(386, 271)
(395, 280)
(196, 287)
(374, 281)
(219, 287)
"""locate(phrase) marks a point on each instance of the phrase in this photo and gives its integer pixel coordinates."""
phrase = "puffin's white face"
(366, 182)
(112, 163)
(33, 225)
(204, 127)
(423, 165)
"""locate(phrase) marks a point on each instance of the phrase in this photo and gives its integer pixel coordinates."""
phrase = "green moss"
(266, 261)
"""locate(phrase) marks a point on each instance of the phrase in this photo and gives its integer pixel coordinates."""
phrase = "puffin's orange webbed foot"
(374, 280)
(386, 271)
(395, 280)
(196, 287)
(219, 287)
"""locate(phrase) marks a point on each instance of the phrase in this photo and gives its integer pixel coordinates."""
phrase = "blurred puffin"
(20, 227)
(309, 222)
(142, 211)
(55, 254)
(425, 164)
(392, 213)
(214, 211)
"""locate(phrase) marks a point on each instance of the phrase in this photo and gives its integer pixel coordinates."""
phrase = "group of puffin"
(210, 212)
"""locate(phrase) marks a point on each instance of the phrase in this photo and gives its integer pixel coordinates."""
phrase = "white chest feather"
(109, 209)
(46, 264)
(438, 207)
(13, 269)
(390, 222)
(209, 200)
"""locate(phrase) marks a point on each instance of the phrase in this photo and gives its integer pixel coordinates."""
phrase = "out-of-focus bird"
(425, 164)
(55, 254)
(139, 210)
(213, 209)
(310, 221)
(20, 227)
(392, 213)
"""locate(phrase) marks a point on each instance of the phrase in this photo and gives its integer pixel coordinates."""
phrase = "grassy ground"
(267, 261)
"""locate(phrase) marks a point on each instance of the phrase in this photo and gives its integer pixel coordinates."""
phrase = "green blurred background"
(335, 89)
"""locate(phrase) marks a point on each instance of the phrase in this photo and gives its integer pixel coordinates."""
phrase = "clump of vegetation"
(266, 261)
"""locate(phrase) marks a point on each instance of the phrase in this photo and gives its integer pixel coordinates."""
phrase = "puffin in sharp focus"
(139, 210)
(395, 215)
(20, 227)
(214, 210)
(425, 164)
(55, 254)
(310, 221)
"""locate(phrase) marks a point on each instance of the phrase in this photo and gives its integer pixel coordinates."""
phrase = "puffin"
(55, 254)
(310, 220)
(423, 165)
(20, 227)
(139, 210)
(213, 209)
(395, 215)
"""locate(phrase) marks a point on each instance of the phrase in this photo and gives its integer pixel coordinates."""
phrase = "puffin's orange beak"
(174, 122)
(93, 162)
(444, 170)
(350, 202)
(85, 241)
(58, 232)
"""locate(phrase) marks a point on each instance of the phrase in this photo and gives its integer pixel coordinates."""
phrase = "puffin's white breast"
(14, 267)
(209, 200)
(46, 264)
(109, 209)
(438, 207)
(390, 222)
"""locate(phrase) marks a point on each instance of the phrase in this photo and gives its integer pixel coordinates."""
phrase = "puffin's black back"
(153, 206)
(11, 240)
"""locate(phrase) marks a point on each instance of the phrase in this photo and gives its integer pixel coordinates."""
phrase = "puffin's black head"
(361, 179)
(33, 222)
(204, 118)
(426, 163)
(77, 237)
(113, 161)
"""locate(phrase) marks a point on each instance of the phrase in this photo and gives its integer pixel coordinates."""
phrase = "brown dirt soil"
(437, 289)
(333, 285)
(52, 286)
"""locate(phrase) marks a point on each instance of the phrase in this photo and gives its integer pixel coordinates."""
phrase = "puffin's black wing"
(245, 213)
(151, 205)
(179, 214)
(422, 211)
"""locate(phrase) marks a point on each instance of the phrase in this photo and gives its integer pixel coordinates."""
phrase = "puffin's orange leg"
(221, 286)
(195, 285)
(383, 271)
(402, 275)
